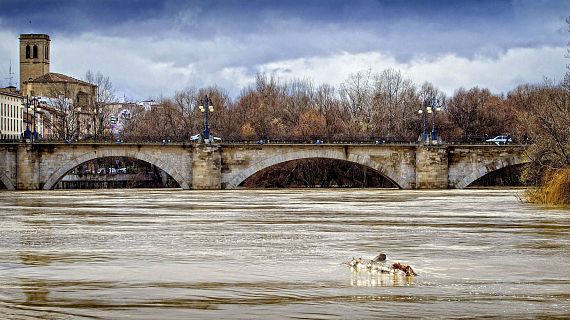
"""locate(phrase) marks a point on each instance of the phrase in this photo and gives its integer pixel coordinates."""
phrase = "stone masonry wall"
(8, 165)
(40, 166)
(206, 168)
(239, 162)
(27, 168)
(431, 167)
(468, 163)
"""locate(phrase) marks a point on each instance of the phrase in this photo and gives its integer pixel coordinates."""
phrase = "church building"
(36, 80)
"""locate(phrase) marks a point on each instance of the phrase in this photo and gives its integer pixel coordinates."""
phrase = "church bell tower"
(34, 56)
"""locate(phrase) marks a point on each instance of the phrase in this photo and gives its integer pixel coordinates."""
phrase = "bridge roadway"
(226, 166)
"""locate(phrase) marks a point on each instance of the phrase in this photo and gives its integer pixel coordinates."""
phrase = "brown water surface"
(154, 254)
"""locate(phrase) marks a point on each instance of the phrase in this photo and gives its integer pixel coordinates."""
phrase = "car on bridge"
(500, 139)
(198, 138)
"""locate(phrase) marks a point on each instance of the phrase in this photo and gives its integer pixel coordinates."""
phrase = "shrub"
(554, 189)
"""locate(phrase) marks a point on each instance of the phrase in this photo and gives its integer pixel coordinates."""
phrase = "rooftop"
(57, 77)
(10, 92)
(34, 36)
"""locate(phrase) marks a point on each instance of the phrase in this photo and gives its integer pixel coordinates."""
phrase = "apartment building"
(11, 114)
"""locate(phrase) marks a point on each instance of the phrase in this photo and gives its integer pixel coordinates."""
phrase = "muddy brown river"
(278, 254)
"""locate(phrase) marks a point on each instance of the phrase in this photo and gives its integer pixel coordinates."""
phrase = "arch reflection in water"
(318, 173)
(116, 172)
(35, 238)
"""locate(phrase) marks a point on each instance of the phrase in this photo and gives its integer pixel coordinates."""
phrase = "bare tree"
(544, 114)
(465, 111)
(187, 102)
(260, 106)
(395, 103)
(356, 94)
(65, 125)
(329, 105)
(100, 113)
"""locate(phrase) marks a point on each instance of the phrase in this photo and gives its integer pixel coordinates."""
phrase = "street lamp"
(28, 134)
(436, 107)
(429, 106)
(206, 108)
(424, 109)
(35, 133)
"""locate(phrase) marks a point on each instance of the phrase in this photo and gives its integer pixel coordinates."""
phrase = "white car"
(196, 137)
(500, 139)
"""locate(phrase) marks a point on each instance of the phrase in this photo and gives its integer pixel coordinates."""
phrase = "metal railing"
(272, 141)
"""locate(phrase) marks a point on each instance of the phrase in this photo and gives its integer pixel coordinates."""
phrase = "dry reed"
(554, 189)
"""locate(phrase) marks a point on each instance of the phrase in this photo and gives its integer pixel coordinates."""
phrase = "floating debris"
(377, 265)
(357, 264)
(407, 269)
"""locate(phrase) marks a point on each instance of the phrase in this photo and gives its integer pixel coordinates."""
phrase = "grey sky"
(152, 48)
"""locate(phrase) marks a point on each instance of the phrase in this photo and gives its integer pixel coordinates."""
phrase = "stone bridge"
(226, 166)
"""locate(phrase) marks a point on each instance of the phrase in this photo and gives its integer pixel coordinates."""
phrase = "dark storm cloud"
(204, 42)
(66, 16)
(402, 27)
(82, 15)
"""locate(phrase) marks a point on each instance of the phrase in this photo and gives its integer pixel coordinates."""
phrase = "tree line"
(368, 106)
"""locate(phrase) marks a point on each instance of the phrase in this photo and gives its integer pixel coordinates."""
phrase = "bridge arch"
(494, 165)
(63, 170)
(364, 160)
(6, 181)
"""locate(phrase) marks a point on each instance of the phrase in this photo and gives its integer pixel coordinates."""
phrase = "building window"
(28, 51)
(46, 51)
(35, 52)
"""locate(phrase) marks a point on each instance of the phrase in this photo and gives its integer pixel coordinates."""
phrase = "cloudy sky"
(151, 48)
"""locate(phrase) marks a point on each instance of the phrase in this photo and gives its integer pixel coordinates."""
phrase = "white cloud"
(448, 72)
(144, 67)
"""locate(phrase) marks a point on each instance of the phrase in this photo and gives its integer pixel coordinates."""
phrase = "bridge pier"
(27, 168)
(432, 167)
(207, 168)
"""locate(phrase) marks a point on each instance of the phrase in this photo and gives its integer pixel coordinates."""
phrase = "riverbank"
(554, 190)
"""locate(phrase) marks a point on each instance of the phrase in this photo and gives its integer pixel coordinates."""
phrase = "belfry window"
(35, 52)
(28, 55)
(46, 52)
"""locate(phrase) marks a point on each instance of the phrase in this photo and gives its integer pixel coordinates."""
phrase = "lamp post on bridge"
(35, 132)
(424, 109)
(429, 106)
(29, 135)
(436, 105)
(27, 132)
(206, 108)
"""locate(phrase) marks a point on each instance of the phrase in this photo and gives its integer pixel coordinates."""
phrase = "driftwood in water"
(407, 269)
